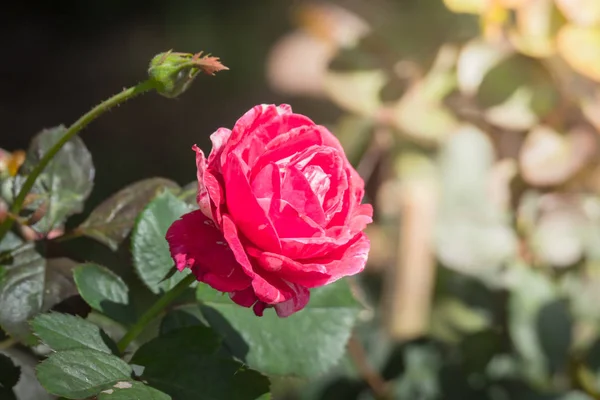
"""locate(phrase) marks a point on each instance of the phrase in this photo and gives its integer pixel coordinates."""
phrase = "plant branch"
(7, 343)
(160, 305)
(367, 372)
(73, 130)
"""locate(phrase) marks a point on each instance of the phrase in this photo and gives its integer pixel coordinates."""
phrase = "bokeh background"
(473, 122)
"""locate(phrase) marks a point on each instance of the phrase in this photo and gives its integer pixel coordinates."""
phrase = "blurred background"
(473, 122)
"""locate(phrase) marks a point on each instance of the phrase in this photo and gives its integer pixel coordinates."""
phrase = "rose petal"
(357, 185)
(267, 183)
(288, 217)
(297, 191)
(344, 261)
(287, 145)
(329, 139)
(252, 146)
(295, 304)
(245, 298)
(195, 242)
(231, 235)
(257, 116)
(215, 192)
(244, 208)
(309, 275)
(348, 260)
(302, 248)
(273, 290)
(219, 139)
(202, 197)
(324, 168)
(361, 217)
(259, 308)
(351, 198)
(288, 221)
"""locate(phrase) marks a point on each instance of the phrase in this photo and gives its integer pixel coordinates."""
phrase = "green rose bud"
(174, 72)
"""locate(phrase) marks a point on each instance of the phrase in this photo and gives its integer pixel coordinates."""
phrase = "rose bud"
(174, 72)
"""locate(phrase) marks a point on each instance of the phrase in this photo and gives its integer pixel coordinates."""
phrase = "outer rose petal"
(297, 300)
(345, 261)
(296, 303)
(196, 243)
(252, 119)
(259, 308)
(210, 194)
(215, 193)
(253, 144)
(232, 237)
(288, 144)
(361, 217)
(244, 209)
(352, 197)
(245, 298)
(273, 290)
(202, 197)
(219, 138)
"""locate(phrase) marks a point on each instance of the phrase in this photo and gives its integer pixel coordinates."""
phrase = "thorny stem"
(154, 311)
(73, 130)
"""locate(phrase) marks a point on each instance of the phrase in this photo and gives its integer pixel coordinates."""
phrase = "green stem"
(73, 130)
(154, 311)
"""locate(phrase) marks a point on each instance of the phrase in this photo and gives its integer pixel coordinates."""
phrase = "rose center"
(319, 181)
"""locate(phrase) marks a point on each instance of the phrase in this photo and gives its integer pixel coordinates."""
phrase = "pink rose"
(280, 212)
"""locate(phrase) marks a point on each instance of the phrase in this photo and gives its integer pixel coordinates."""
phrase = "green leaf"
(420, 113)
(307, 343)
(194, 339)
(132, 390)
(555, 333)
(420, 379)
(8, 246)
(170, 274)
(517, 91)
(68, 332)
(111, 221)
(529, 293)
(81, 373)
(357, 91)
(473, 233)
(151, 257)
(181, 318)
(187, 364)
(21, 291)
(31, 285)
(65, 183)
(104, 291)
(9, 372)
(10, 242)
(479, 349)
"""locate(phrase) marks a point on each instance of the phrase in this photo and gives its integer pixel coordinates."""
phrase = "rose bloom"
(280, 212)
